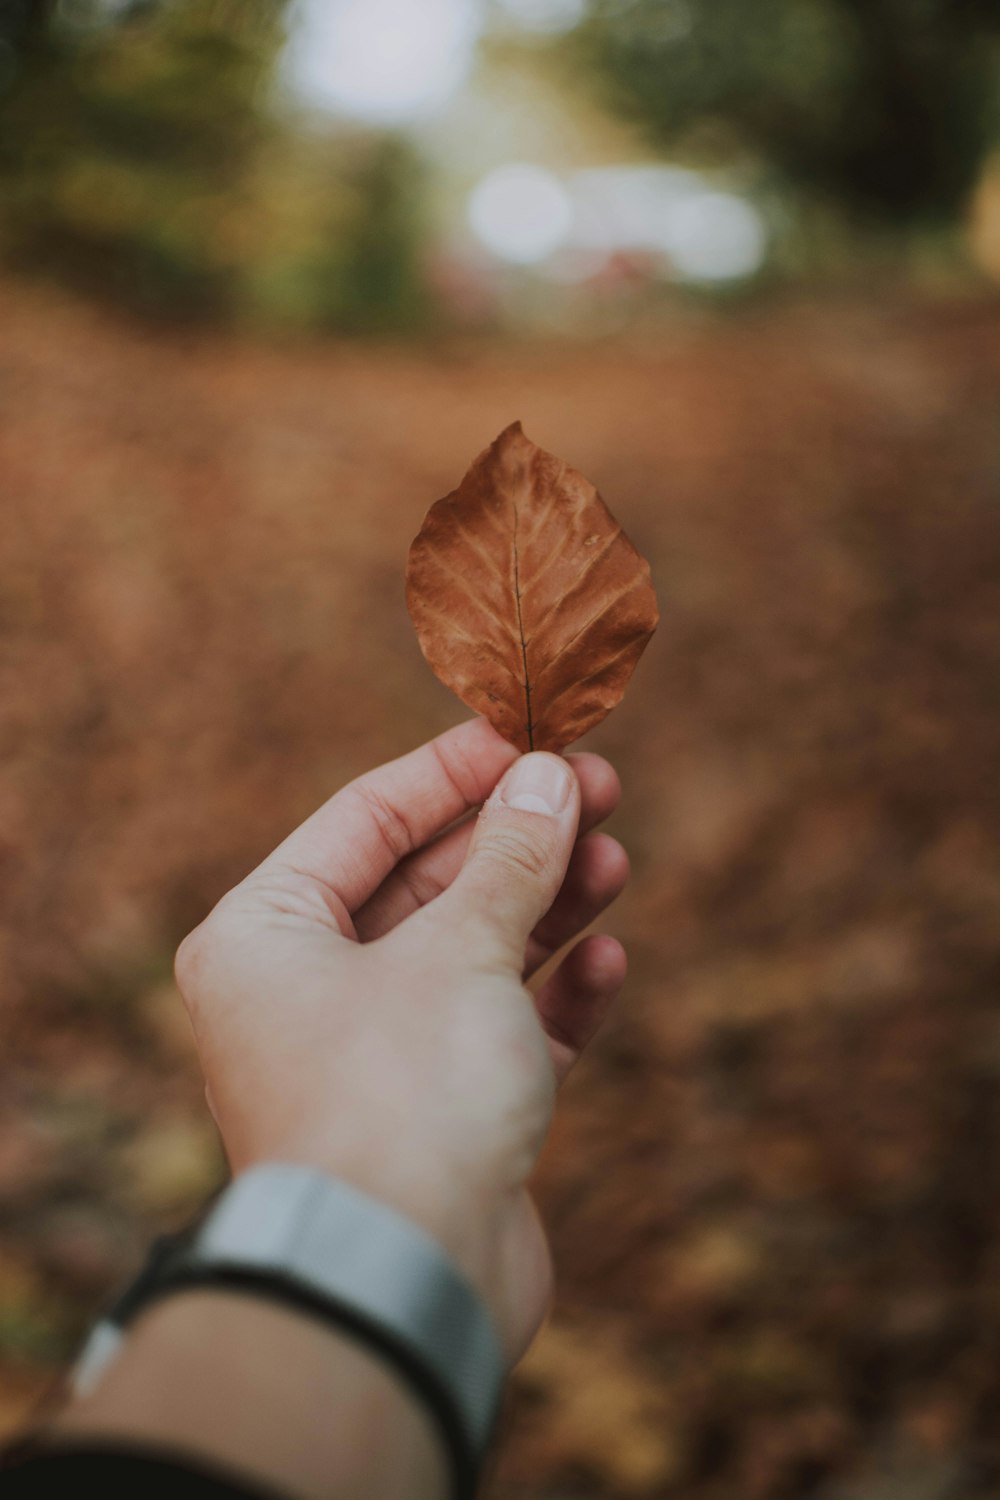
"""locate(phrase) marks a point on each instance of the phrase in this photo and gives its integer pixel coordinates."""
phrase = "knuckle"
(189, 960)
(520, 852)
(201, 947)
(422, 885)
(390, 822)
(291, 895)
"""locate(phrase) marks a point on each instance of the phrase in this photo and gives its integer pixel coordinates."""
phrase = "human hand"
(359, 1004)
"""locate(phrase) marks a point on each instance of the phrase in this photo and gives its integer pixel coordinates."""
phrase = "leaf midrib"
(520, 631)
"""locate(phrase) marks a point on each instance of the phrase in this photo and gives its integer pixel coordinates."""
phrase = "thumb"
(519, 852)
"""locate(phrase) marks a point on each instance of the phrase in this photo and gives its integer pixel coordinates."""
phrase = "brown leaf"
(528, 599)
(599, 1407)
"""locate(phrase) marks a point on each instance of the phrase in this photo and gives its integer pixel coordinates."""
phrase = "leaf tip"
(512, 430)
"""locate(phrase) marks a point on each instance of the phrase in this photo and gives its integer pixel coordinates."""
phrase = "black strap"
(32, 1470)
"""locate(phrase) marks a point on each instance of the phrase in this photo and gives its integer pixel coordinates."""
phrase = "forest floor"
(772, 1184)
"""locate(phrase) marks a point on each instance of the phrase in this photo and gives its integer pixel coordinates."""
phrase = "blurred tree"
(376, 280)
(885, 106)
(22, 22)
(340, 246)
(140, 158)
(126, 130)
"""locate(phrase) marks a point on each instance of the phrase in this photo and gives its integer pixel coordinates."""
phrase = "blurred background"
(271, 275)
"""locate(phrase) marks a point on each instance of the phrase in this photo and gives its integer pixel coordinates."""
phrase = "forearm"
(269, 1393)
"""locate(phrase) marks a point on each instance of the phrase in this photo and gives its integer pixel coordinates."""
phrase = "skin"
(360, 1005)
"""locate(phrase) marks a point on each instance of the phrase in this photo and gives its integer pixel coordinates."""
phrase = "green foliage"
(885, 107)
(375, 279)
(124, 147)
(140, 157)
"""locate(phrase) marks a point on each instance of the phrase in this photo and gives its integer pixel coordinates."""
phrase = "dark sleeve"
(120, 1471)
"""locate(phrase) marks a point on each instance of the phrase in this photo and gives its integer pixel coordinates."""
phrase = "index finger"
(351, 843)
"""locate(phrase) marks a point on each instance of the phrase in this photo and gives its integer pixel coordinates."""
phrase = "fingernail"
(537, 783)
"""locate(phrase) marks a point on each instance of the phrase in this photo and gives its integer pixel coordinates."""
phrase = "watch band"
(302, 1237)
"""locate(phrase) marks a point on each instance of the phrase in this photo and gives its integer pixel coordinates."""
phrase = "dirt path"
(772, 1188)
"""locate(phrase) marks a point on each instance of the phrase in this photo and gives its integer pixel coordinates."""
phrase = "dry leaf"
(528, 599)
(599, 1407)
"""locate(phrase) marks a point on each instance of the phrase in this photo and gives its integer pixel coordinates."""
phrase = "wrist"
(468, 1225)
(267, 1392)
(295, 1236)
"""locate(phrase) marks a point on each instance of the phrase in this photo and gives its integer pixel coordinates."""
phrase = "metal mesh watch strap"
(304, 1238)
(377, 1266)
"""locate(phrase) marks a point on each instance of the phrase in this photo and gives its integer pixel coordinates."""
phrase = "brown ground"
(773, 1186)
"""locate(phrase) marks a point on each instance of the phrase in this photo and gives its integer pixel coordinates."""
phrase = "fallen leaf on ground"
(601, 1410)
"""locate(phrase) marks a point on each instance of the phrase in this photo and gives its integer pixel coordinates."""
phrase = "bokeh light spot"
(674, 213)
(545, 16)
(381, 61)
(520, 212)
(716, 237)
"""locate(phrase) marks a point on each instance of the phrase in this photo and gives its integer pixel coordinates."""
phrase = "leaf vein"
(585, 572)
(476, 599)
(606, 605)
(524, 647)
(578, 682)
(476, 641)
